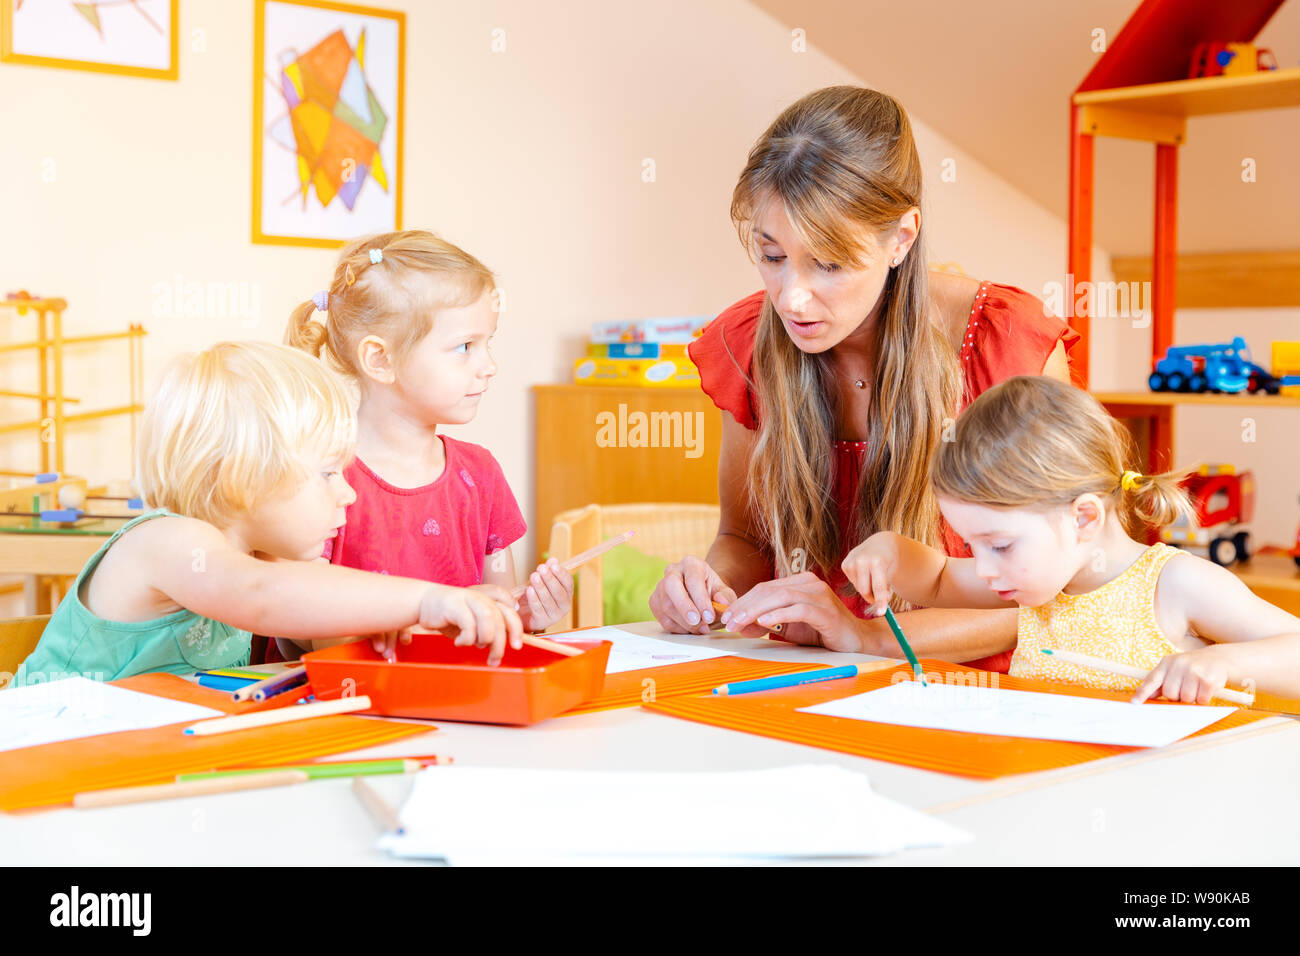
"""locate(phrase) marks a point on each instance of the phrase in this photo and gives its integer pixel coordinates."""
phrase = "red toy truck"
(1224, 501)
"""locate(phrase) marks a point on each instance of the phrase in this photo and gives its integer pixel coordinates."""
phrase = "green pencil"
(320, 771)
(907, 648)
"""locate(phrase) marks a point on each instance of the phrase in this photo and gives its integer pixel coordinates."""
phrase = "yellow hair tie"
(1130, 479)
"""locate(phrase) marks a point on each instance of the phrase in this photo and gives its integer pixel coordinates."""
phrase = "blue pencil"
(224, 682)
(794, 680)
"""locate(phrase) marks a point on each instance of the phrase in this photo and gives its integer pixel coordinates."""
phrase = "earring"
(895, 262)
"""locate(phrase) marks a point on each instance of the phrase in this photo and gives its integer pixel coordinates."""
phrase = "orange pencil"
(777, 629)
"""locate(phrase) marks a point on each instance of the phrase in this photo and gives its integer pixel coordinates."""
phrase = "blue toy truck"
(1225, 367)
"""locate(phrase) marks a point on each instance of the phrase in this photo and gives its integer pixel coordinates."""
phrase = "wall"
(530, 158)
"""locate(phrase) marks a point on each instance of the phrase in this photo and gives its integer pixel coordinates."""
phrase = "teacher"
(837, 382)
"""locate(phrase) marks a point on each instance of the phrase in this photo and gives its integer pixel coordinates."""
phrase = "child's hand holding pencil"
(871, 568)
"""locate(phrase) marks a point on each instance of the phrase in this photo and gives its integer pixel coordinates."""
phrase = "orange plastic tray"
(435, 679)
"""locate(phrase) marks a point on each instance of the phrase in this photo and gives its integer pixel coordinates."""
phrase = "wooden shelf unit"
(1118, 98)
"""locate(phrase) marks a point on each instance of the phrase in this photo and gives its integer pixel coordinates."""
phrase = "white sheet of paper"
(1018, 713)
(79, 707)
(634, 652)
(785, 812)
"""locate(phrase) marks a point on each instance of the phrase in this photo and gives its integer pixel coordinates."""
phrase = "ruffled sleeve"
(723, 354)
(1010, 333)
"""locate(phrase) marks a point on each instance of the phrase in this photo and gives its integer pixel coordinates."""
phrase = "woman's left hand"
(810, 610)
(548, 596)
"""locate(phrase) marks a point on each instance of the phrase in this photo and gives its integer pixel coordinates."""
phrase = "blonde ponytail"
(390, 285)
(303, 332)
(1156, 500)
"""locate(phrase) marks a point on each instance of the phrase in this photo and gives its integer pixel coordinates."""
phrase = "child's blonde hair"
(1034, 442)
(388, 285)
(234, 424)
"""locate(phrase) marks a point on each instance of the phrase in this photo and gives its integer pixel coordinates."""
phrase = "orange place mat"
(774, 713)
(52, 774)
(690, 677)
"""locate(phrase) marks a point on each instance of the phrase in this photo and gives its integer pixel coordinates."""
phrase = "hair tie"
(376, 256)
(322, 301)
(1130, 479)
(349, 276)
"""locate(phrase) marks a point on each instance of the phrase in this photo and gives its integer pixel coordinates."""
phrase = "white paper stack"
(472, 815)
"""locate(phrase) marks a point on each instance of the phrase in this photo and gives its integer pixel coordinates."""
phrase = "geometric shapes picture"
(327, 129)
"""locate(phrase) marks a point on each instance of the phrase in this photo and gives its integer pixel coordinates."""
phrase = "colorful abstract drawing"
(129, 37)
(334, 123)
(91, 12)
(327, 147)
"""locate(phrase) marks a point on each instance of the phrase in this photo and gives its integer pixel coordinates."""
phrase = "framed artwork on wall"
(128, 37)
(328, 96)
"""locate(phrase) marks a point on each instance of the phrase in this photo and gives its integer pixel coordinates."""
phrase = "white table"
(1235, 791)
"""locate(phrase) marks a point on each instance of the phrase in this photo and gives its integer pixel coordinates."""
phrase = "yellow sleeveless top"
(1117, 621)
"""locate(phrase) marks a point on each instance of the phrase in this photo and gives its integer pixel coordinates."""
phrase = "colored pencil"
(547, 645)
(575, 562)
(907, 648)
(237, 672)
(193, 788)
(1128, 670)
(774, 629)
(223, 682)
(326, 769)
(282, 715)
(291, 681)
(380, 810)
(246, 693)
(803, 677)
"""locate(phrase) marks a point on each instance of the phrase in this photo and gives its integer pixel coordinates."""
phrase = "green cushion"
(630, 577)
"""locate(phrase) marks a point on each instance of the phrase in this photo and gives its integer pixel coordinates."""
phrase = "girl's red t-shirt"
(440, 532)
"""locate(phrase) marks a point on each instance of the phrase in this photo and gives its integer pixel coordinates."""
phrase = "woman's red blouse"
(1010, 332)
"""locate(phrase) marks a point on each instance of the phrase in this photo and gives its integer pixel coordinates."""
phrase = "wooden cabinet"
(615, 445)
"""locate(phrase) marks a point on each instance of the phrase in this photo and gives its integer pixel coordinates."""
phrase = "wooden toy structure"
(50, 345)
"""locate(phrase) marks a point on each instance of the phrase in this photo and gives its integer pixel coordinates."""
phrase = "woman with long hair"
(837, 383)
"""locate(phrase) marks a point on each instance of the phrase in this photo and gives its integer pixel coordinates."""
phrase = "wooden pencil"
(1128, 670)
(548, 645)
(575, 562)
(281, 715)
(379, 808)
(191, 788)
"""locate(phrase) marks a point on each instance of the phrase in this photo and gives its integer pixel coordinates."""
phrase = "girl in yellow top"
(1037, 480)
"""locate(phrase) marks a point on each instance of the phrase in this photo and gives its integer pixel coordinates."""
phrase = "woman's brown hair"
(843, 164)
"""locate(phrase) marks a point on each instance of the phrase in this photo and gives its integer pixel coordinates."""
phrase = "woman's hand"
(547, 597)
(871, 567)
(806, 605)
(1193, 677)
(682, 601)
